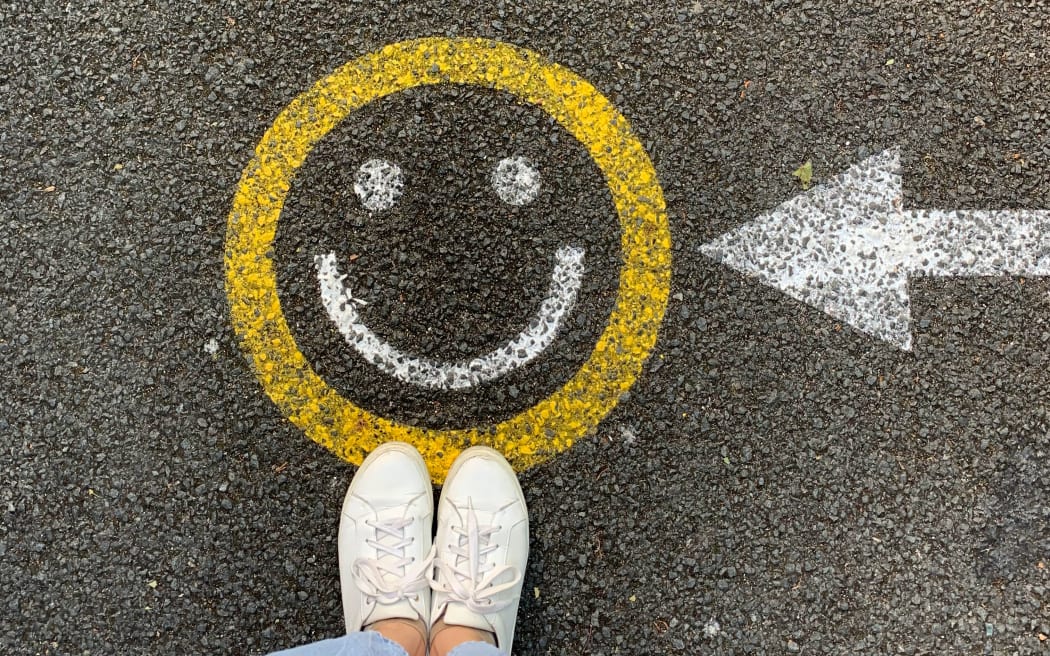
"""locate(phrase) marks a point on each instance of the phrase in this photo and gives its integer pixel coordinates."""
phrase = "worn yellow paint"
(551, 425)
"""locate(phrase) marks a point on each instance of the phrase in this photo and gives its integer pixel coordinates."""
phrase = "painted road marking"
(848, 247)
(516, 181)
(552, 424)
(378, 184)
(529, 343)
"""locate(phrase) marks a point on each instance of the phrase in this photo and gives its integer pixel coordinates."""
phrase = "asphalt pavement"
(775, 481)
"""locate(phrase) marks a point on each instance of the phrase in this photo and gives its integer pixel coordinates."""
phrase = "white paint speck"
(516, 180)
(378, 184)
(712, 628)
(628, 435)
(529, 343)
(211, 347)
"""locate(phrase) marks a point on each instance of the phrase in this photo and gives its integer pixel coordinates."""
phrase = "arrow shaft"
(975, 242)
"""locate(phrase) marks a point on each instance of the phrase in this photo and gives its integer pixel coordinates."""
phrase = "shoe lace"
(471, 579)
(391, 576)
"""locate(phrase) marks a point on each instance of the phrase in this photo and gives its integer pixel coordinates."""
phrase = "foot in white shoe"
(482, 546)
(385, 554)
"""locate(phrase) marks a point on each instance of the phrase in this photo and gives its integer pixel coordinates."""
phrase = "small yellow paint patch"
(551, 425)
(804, 174)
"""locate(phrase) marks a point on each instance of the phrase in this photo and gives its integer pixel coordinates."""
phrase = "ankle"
(445, 637)
(410, 634)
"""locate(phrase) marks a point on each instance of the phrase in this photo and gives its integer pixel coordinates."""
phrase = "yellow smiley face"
(552, 424)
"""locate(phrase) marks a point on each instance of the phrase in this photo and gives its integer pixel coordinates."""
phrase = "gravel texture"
(774, 483)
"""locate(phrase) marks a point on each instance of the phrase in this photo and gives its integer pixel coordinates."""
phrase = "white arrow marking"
(848, 247)
(342, 309)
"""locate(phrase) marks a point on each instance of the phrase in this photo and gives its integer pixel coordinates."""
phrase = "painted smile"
(529, 343)
(378, 185)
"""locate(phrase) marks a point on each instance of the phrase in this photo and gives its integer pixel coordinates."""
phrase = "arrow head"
(833, 247)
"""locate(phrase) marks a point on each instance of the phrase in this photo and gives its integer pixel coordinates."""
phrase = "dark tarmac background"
(774, 483)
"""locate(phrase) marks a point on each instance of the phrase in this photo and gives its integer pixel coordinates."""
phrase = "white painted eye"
(516, 180)
(378, 184)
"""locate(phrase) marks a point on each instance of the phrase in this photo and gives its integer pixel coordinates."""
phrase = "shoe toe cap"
(485, 478)
(391, 476)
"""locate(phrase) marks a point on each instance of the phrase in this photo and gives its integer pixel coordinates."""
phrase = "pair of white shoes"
(472, 573)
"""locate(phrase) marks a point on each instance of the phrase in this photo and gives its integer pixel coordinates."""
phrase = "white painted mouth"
(529, 343)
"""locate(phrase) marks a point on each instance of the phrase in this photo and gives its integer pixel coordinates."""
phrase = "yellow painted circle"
(551, 425)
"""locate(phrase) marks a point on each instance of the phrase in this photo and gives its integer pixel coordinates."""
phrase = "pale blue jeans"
(370, 643)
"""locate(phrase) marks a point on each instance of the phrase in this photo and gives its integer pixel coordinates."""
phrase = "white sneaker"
(385, 553)
(482, 546)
